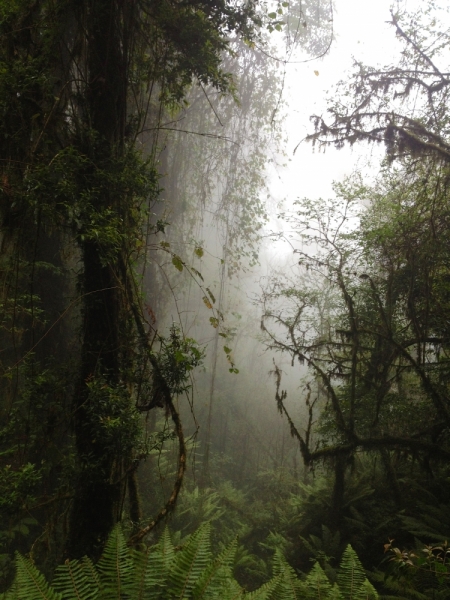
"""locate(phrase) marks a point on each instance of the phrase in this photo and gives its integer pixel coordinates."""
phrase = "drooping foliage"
(363, 312)
(82, 85)
(402, 105)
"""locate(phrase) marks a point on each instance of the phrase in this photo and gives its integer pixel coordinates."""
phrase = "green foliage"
(76, 579)
(352, 579)
(190, 563)
(178, 356)
(113, 421)
(163, 572)
(420, 573)
(30, 583)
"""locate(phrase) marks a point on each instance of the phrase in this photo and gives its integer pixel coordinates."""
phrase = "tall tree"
(370, 324)
(81, 81)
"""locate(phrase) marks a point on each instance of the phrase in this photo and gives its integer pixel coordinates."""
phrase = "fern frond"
(367, 592)
(190, 562)
(167, 549)
(268, 591)
(72, 582)
(335, 593)
(150, 573)
(90, 571)
(290, 586)
(115, 568)
(30, 584)
(218, 577)
(316, 584)
(351, 575)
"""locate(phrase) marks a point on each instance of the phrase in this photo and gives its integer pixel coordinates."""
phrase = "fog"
(227, 172)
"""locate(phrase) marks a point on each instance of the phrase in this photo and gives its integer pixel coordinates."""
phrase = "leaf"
(199, 252)
(199, 275)
(30, 583)
(164, 244)
(316, 73)
(351, 573)
(214, 322)
(190, 563)
(211, 295)
(72, 582)
(177, 262)
(115, 567)
(207, 302)
(227, 350)
(272, 15)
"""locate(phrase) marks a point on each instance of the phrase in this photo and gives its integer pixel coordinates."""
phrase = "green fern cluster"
(162, 572)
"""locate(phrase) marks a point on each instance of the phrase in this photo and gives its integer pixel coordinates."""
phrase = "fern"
(190, 563)
(116, 568)
(268, 591)
(30, 584)
(335, 593)
(352, 579)
(218, 577)
(91, 571)
(72, 580)
(367, 591)
(290, 586)
(317, 585)
(167, 549)
(149, 569)
(161, 573)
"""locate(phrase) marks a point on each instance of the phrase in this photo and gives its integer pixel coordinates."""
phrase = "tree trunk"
(99, 490)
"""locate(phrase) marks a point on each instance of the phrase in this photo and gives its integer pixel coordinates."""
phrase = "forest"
(208, 392)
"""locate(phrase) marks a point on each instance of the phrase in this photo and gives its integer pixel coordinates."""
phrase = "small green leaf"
(179, 356)
(164, 244)
(199, 252)
(272, 15)
(177, 262)
(227, 350)
(214, 322)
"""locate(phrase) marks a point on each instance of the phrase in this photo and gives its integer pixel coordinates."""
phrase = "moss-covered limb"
(413, 445)
(298, 351)
(303, 441)
(375, 119)
(439, 399)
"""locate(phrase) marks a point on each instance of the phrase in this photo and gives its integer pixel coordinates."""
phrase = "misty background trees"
(160, 363)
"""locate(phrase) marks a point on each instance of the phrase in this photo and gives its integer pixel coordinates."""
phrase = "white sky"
(361, 31)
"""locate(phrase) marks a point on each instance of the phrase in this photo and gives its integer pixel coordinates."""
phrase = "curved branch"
(182, 452)
(170, 504)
